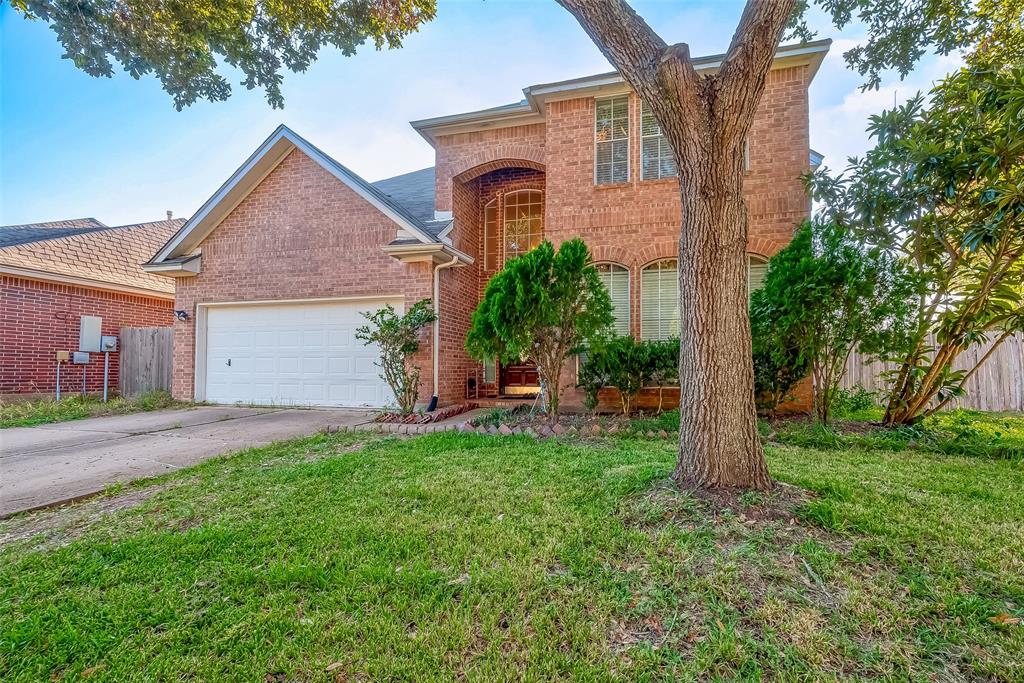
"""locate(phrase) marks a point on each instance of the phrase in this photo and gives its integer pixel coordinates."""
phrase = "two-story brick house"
(274, 270)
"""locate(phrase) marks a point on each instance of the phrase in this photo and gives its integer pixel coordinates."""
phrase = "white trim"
(202, 315)
(281, 142)
(30, 274)
(187, 268)
(443, 215)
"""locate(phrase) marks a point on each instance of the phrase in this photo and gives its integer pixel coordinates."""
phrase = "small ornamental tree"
(544, 306)
(943, 190)
(398, 337)
(824, 296)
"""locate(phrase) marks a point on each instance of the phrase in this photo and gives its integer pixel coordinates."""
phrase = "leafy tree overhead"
(943, 189)
(543, 305)
(181, 42)
(705, 118)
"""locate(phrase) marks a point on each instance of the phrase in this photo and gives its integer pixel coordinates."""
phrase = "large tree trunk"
(706, 119)
(718, 441)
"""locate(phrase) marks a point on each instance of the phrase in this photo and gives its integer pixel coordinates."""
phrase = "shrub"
(826, 295)
(398, 337)
(545, 305)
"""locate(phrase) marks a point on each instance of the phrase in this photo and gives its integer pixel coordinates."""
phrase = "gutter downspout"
(437, 327)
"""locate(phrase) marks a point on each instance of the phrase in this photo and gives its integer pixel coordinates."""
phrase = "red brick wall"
(457, 154)
(637, 222)
(38, 318)
(300, 234)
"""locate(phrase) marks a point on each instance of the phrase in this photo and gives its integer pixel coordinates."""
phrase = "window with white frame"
(524, 222)
(659, 301)
(757, 270)
(656, 160)
(491, 250)
(611, 140)
(616, 280)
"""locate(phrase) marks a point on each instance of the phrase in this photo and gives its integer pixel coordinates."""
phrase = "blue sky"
(72, 145)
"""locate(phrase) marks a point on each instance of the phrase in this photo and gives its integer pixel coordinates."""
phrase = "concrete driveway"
(52, 463)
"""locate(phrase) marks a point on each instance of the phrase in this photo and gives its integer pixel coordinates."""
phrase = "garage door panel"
(294, 353)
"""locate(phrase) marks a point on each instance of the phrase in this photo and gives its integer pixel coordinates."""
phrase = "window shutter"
(756, 272)
(659, 301)
(615, 279)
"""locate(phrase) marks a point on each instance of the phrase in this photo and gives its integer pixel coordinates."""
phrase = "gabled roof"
(105, 258)
(31, 232)
(267, 156)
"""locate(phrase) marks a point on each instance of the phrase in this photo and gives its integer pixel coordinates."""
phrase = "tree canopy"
(182, 42)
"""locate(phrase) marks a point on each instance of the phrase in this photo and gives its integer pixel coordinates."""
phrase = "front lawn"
(43, 411)
(350, 557)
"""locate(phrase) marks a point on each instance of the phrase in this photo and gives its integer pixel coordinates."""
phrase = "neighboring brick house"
(51, 274)
(275, 268)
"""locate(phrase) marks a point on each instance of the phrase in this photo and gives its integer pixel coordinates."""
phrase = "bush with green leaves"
(398, 337)
(824, 296)
(544, 305)
(628, 365)
(779, 362)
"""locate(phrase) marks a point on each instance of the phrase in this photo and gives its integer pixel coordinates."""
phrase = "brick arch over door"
(484, 162)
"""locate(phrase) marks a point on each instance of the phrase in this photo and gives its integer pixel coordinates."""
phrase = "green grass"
(460, 556)
(42, 411)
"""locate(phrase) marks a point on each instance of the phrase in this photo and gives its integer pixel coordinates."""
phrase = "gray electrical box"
(108, 343)
(89, 333)
(80, 358)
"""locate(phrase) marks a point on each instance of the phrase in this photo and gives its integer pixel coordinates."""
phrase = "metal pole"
(106, 373)
(58, 380)
(84, 368)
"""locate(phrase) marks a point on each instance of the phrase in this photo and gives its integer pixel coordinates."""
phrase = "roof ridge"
(91, 231)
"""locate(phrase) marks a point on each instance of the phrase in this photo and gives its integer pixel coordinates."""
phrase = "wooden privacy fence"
(998, 384)
(145, 364)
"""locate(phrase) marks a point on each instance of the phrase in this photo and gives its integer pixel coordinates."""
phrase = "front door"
(520, 378)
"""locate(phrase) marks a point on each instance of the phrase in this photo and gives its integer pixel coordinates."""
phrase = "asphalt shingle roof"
(32, 232)
(414, 192)
(111, 255)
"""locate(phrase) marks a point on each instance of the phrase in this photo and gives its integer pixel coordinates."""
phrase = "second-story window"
(656, 160)
(611, 135)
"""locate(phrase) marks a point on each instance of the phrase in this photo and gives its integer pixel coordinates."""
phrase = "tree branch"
(635, 50)
(741, 78)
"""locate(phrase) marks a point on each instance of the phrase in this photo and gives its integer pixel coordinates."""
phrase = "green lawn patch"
(461, 556)
(42, 411)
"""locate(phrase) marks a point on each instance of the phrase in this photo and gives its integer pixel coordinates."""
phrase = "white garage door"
(293, 354)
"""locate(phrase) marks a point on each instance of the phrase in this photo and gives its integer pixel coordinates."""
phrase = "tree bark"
(706, 119)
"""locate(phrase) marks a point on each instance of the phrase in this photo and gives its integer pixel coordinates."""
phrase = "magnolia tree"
(544, 305)
(943, 190)
(398, 337)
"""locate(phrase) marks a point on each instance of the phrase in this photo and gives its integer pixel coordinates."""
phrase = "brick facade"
(633, 223)
(301, 234)
(39, 318)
